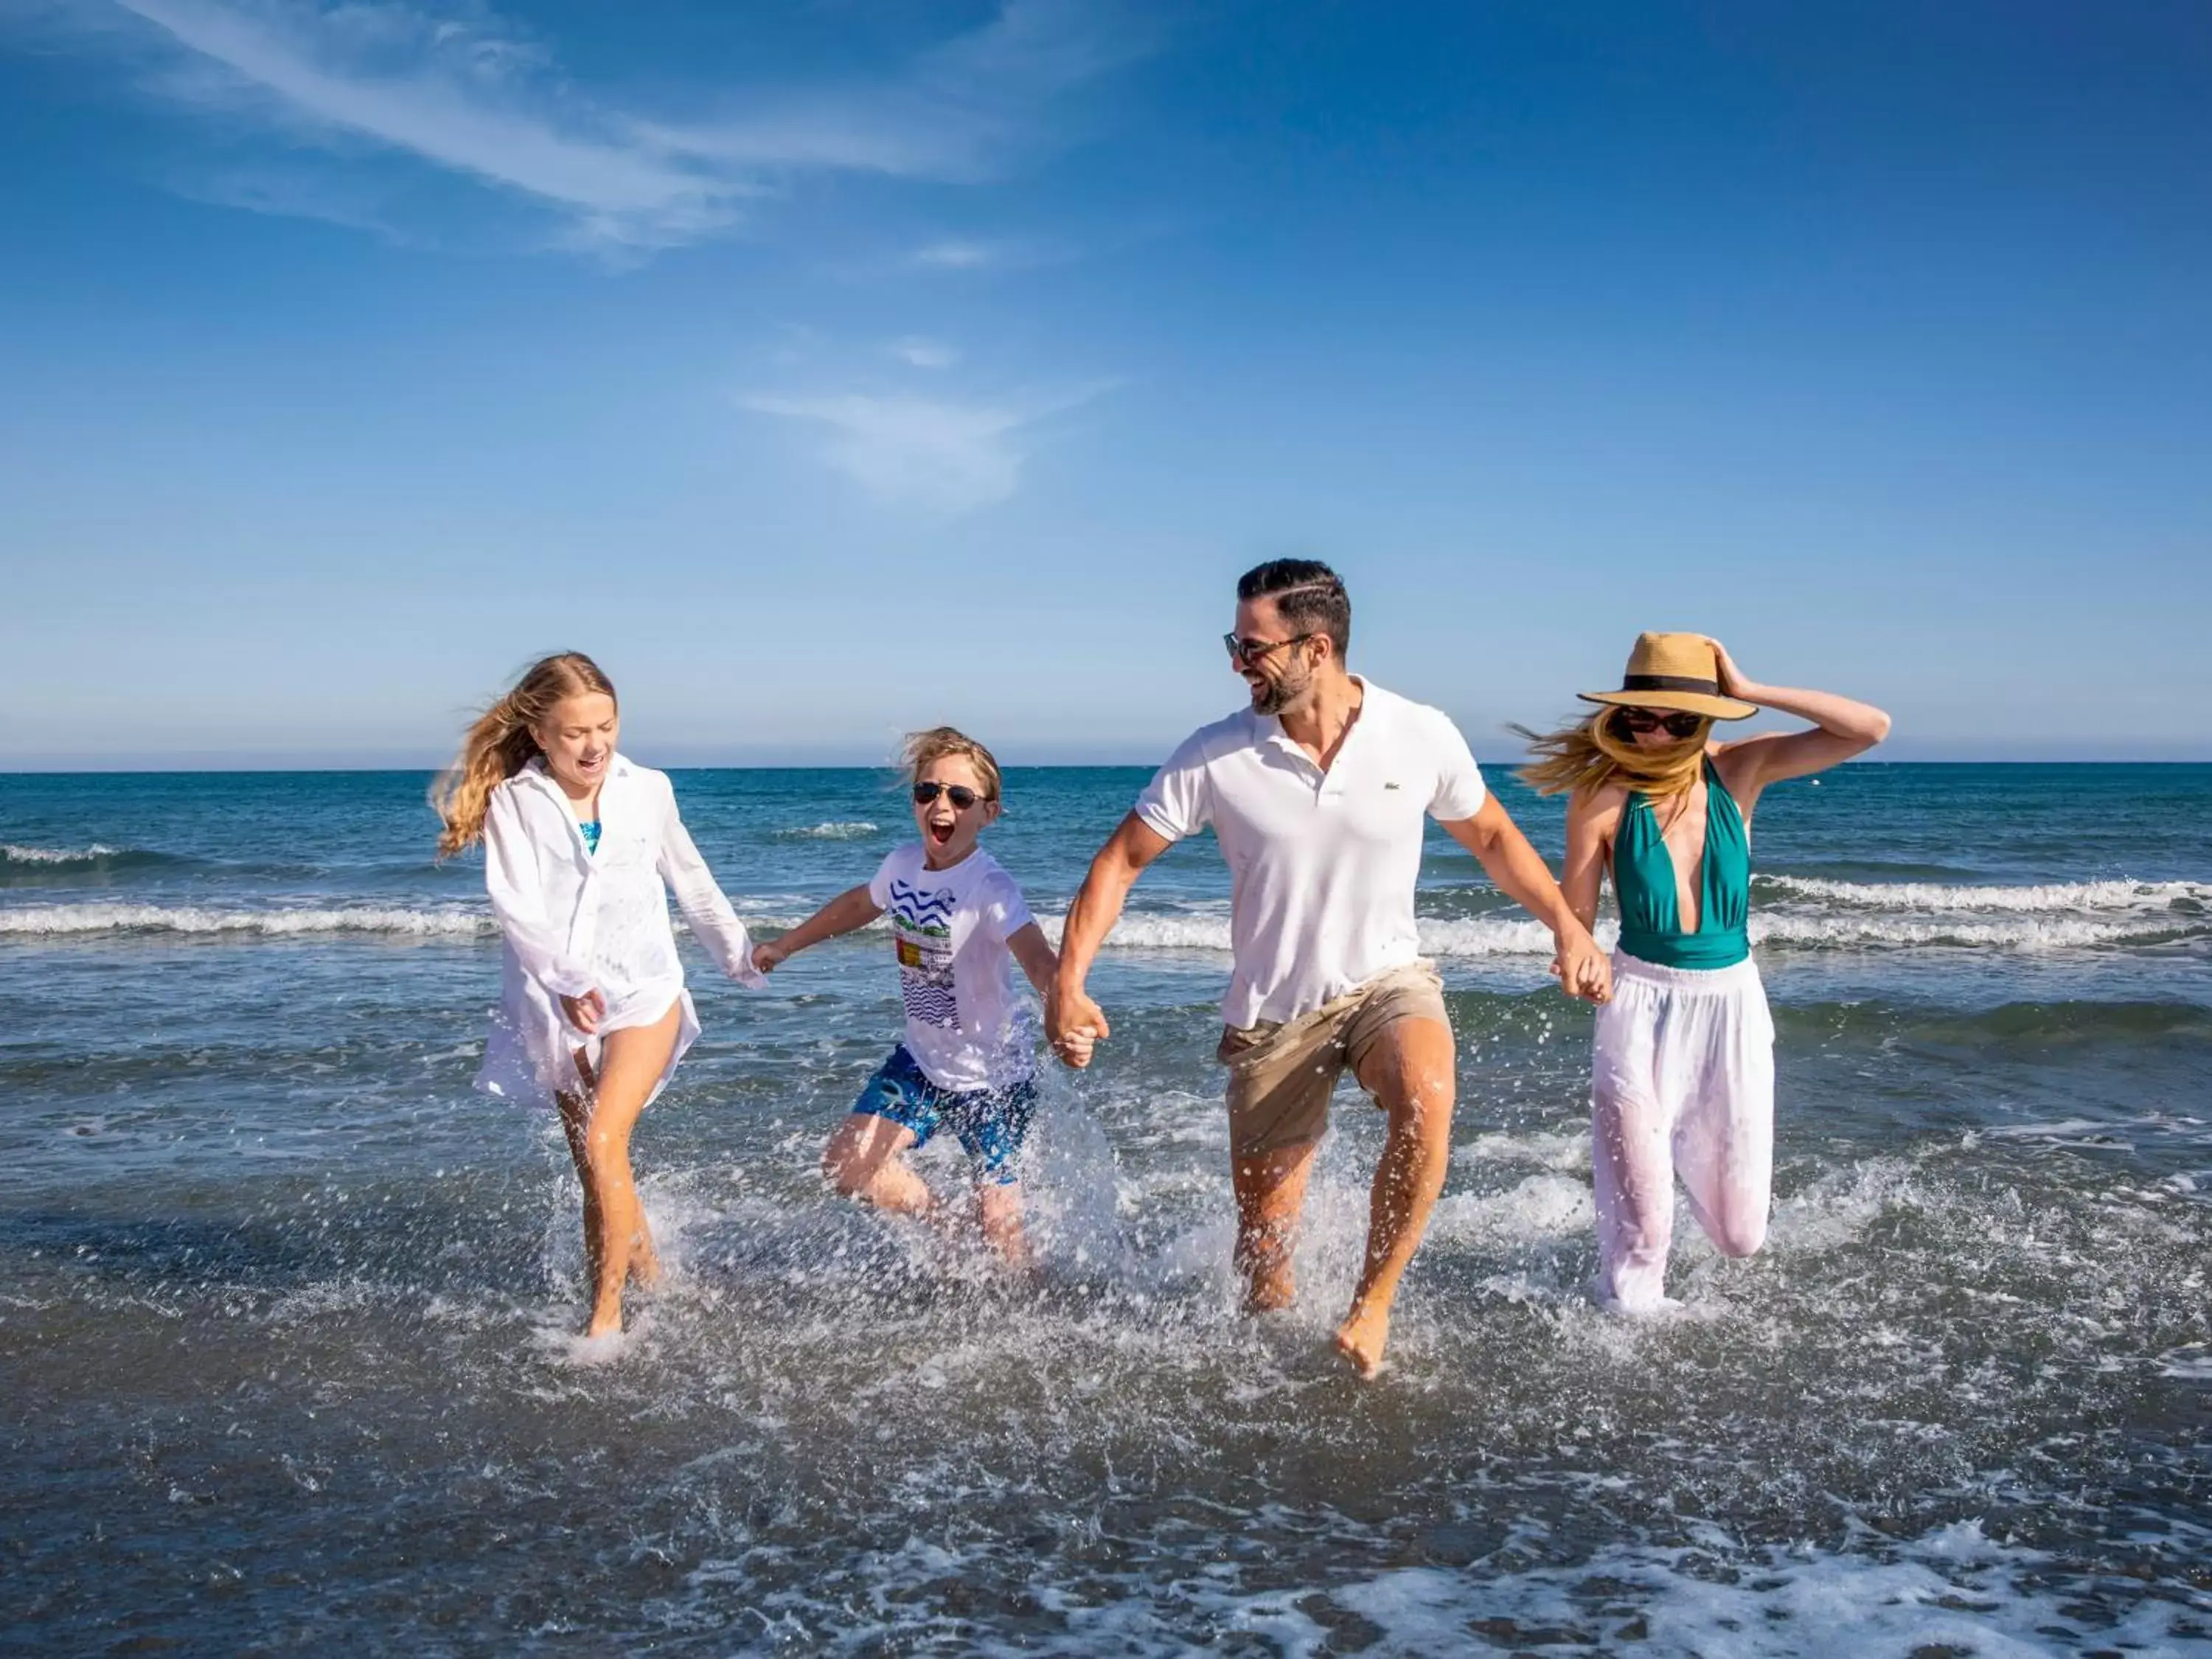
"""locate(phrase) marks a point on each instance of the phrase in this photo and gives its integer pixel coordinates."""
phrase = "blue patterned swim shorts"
(990, 1124)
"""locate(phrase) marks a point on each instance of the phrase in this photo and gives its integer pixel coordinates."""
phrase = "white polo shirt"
(1322, 864)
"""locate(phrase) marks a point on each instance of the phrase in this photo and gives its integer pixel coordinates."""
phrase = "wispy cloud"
(936, 454)
(472, 95)
(919, 353)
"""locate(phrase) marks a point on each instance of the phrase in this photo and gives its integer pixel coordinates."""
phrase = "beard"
(1272, 696)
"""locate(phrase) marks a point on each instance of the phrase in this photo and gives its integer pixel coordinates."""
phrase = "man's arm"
(1068, 1010)
(1513, 864)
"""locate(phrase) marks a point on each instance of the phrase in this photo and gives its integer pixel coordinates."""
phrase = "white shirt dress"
(577, 920)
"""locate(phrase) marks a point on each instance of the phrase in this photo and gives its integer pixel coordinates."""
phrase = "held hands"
(1582, 968)
(767, 956)
(1073, 1025)
(585, 1012)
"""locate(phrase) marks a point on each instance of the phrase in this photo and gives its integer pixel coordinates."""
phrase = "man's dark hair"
(1308, 596)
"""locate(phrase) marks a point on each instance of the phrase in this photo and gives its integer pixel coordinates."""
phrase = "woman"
(1683, 1072)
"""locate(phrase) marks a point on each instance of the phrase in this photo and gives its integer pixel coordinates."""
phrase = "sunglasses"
(1251, 651)
(959, 795)
(1646, 720)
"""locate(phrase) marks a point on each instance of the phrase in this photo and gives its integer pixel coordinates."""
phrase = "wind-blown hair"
(1308, 596)
(923, 749)
(501, 743)
(1594, 752)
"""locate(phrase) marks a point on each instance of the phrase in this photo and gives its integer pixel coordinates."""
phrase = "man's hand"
(767, 955)
(585, 1012)
(1073, 1023)
(1582, 969)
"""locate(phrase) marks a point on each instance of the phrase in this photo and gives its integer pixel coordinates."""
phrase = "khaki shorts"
(1281, 1075)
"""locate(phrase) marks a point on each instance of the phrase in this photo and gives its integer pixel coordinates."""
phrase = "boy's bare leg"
(1000, 1209)
(1270, 1191)
(1410, 1072)
(863, 1161)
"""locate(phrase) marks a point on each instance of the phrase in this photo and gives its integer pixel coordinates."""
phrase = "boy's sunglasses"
(959, 795)
(1674, 725)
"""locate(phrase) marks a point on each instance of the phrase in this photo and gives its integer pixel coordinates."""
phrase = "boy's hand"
(766, 957)
(585, 1012)
(1073, 1023)
(1075, 1047)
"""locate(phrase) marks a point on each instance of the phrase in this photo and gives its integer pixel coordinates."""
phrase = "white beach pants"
(1682, 1084)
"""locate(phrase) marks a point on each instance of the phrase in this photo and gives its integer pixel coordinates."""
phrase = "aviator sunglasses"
(959, 795)
(1675, 725)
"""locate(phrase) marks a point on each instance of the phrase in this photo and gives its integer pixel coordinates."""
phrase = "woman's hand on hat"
(1732, 681)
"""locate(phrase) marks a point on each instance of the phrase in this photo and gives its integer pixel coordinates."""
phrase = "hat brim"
(1682, 702)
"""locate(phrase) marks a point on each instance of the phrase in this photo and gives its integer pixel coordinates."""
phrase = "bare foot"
(1361, 1340)
(606, 1321)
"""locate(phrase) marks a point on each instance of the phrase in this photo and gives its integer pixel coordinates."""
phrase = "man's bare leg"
(631, 1062)
(1410, 1072)
(863, 1160)
(1270, 1191)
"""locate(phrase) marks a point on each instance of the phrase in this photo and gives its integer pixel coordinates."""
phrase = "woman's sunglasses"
(959, 795)
(1674, 725)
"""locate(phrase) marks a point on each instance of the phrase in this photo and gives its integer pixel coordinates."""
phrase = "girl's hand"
(766, 957)
(585, 1012)
(1075, 1047)
(1732, 682)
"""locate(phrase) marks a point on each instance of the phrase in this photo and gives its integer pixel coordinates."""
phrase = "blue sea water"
(285, 1308)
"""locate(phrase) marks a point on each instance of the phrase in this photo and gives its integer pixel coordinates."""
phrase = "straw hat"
(1677, 671)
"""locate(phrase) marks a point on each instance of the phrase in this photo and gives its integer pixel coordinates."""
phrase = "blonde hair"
(923, 749)
(1590, 754)
(501, 743)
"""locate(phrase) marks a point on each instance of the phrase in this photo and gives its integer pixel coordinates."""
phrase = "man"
(1317, 794)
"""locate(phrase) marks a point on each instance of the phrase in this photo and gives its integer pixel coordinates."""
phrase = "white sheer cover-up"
(574, 920)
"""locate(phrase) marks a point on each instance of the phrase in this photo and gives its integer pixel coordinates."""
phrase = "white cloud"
(920, 352)
(937, 454)
(467, 94)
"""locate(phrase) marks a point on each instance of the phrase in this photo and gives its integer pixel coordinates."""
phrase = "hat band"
(1669, 683)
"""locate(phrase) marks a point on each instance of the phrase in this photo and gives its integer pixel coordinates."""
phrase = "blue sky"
(831, 368)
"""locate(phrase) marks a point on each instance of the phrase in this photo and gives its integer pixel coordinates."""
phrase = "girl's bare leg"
(631, 1062)
(863, 1161)
(575, 1113)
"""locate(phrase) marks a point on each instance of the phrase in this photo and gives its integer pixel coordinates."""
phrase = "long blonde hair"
(501, 743)
(1590, 754)
(921, 749)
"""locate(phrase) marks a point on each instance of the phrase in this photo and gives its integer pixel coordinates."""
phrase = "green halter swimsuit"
(1643, 878)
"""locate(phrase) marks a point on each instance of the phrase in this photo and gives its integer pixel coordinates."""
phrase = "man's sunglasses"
(959, 795)
(1674, 725)
(1251, 651)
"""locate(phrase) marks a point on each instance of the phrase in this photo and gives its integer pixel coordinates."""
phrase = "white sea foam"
(1479, 937)
(836, 829)
(11, 853)
(39, 920)
(2059, 897)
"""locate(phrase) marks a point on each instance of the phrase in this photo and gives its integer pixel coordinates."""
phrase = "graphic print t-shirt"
(950, 929)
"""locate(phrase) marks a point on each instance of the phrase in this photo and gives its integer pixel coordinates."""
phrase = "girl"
(1683, 1076)
(593, 1015)
(969, 1063)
